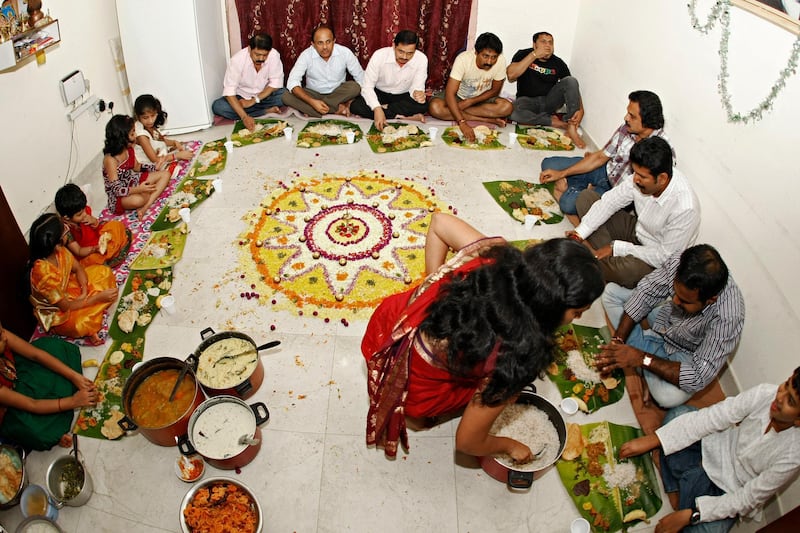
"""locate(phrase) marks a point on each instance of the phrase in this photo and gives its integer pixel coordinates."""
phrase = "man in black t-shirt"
(544, 84)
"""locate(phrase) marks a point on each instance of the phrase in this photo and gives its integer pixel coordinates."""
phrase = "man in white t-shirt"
(473, 88)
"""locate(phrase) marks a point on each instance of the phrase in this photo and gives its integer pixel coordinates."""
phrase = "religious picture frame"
(784, 13)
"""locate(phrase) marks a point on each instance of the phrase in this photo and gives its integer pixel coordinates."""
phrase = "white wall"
(35, 130)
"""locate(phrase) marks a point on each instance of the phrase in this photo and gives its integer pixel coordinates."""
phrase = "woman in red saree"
(67, 298)
(472, 334)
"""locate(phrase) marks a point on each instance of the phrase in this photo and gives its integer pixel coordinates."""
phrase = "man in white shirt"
(727, 459)
(394, 83)
(253, 83)
(325, 65)
(473, 88)
(666, 219)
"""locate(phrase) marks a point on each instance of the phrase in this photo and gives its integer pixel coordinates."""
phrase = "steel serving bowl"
(209, 482)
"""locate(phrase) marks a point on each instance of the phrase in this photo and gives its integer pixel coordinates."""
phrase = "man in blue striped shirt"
(679, 324)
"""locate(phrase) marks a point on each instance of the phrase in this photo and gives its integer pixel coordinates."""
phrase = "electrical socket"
(111, 108)
(100, 106)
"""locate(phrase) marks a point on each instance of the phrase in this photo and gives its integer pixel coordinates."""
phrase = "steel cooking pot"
(68, 481)
(227, 371)
(166, 434)
(15, 456)
(523, 478)
(224, 430)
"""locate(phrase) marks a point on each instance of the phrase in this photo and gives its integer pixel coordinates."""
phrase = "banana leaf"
(543, 138)
(211, 160)
(311, 139)
(152, 284)
(452, 137)
(510, 195)
(271, 128)
(189, 193)
(163, 249)
(375, 139)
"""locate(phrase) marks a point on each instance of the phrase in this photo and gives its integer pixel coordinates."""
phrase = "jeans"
(665, 393)
(222, 108)
(538, 110)
(598, 178)
(683, 471)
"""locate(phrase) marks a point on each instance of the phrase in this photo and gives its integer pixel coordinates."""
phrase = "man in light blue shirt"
(325, 65)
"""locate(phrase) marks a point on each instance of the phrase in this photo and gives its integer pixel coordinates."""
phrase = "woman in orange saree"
(67, 298)
(476, 331)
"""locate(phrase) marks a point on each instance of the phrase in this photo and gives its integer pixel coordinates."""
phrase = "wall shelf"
(26, 45)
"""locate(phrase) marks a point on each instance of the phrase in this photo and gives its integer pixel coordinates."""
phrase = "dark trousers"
(396, 104)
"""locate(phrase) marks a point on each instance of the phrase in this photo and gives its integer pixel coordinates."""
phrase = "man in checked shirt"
(679, 324)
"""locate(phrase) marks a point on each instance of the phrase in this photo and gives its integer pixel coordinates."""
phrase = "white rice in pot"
(532, 427)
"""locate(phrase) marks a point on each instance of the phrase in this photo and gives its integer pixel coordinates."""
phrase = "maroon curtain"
(363, 26)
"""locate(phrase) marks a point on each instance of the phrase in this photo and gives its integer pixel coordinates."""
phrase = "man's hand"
(550, 175)
(615, 355)
(247, 102)
(639, 446)
(604, 251)
(418, 96)
(249, 122)
(467, 130)
(674, 522)
(576, 118)
(320, 106)
(379, 118)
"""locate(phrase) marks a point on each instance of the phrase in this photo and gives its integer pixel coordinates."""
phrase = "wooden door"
(16, 312)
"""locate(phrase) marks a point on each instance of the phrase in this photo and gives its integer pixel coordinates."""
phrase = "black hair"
(518, 300)
(539, 34)
(701, 268)
(46, 232)
(654, 154)
(117, 131)
(796, 380)
(406, 37)
(69, 200)
(321, 26)
(649, 108)
(148, 102)
(490, 41)
(261, 41)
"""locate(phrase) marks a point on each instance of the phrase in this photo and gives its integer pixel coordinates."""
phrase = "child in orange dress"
(91, 241)
(67, 298)
(129, 184)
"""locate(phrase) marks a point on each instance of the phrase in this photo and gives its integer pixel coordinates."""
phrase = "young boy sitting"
(91, 241)
(727, 459)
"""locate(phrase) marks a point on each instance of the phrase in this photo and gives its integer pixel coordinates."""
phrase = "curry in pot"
(150, 406)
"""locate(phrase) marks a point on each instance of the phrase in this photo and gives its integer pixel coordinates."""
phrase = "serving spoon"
(265, 346)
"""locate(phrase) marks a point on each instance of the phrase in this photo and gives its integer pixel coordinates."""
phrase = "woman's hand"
(519, 452)
(84, 398)
(161, 164)
(184, 154)
(108, 295)
(82, 382)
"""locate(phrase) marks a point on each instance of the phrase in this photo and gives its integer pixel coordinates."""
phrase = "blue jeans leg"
(614, 298)
(598, 178)
(222, 108)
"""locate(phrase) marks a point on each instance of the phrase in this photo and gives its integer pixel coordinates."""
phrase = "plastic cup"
(579, 525)
(287, 132)
(229, 146)
(168, 304)
(217, 183)
(186, 214)
(512, 139)
(569, 406)
(351, 136)
(433, 131)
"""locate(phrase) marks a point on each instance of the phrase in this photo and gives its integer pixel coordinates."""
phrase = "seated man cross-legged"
(681, 344)
(473, 88)
(325, 65)
(544, 85)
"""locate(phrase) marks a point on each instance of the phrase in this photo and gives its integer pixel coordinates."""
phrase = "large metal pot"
(165, 435)
(244, 385)
(522, 479)
(16, 456)
(224, 430)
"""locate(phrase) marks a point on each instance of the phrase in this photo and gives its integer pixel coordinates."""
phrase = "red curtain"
(363, 26)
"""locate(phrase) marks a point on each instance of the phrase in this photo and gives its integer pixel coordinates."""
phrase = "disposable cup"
(168, 304)
(433, 131)
(579, 525)
(186, 214)
(217, 183)
(512, 139)
(351, 136)
(287, 132)
(569, 406)
(229, 146)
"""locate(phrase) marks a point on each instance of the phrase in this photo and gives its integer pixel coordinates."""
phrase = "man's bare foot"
(65, 441)
(273, 109)
(343, 109)
(94, 340)
(418, 117)
(499, 121)
(572, 133)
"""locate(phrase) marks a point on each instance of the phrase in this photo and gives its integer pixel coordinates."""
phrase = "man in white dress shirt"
(253, 83)
(394, 83)
(325, 65)
(666, 218)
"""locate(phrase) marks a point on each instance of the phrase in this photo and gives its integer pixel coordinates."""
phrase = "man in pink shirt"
(253, 83)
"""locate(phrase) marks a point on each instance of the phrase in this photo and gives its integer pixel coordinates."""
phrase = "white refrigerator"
(176, 50)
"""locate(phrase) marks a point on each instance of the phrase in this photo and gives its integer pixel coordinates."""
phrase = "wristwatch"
(695, 518)
(257, 99)
(647, 361)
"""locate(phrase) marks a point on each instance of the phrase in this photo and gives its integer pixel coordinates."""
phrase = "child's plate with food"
(396, 137)
(328, 132)
(211, 159)
(163, 248)
(486, 138)
(189, 193)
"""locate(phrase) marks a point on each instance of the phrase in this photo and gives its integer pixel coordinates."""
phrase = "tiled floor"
(314, 472)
